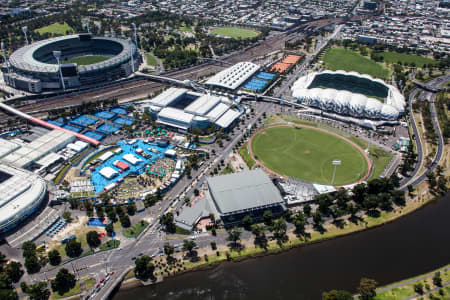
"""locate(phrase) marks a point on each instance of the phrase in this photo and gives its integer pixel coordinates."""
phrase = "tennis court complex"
(72, 128)
(119, 110)
(265, 75)
(94, 135)
(105, 114)
(256, 85)
(84, 120)
(107, 128)
(123, 121)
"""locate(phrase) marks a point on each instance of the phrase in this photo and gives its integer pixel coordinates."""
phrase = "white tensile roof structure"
(348, 103)
(108, 172)
(232, 77)
(131, 158)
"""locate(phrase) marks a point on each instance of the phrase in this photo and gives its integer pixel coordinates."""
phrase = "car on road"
(111, 273)
(102, 280)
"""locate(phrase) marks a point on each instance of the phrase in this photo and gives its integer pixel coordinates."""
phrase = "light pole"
(135, 34)
(25, 29)
(335, 163)
(132, 60)
(57, 55)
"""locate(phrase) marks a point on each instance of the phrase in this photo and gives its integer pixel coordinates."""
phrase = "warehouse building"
(183, 110)
(231, 197)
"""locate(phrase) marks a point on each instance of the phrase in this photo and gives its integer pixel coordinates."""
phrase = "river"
(412, 245)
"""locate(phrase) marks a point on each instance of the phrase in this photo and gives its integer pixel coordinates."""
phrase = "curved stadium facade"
(350, 93)
(34, 68)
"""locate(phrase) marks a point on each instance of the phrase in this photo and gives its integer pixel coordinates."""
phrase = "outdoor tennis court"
(55, 123)
(255, 84)
(84, 120)
(119, 110)
(105, 115)
(94, 135)
(123, 121)
(72, 128)
(107, 128)
(265, 75)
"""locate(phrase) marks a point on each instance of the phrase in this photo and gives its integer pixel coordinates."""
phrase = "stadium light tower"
(25, 30)
(335, 163)
(135, 34)
(86, 22)
(57, 55)
(132, 60)
(4, 55)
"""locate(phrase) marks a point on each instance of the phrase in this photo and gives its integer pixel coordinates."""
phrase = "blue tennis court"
(104, 114)
(107, 128)
(255, 84)
(119, 110)
(85, 120)
(94, 135)
(122, 121)
(265, 75)
(72, 128)
(55, 122)
(99, 182)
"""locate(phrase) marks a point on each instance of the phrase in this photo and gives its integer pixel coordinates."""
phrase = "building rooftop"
(243, 191)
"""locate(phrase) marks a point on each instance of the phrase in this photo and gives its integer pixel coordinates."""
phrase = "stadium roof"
(22, 191)
(234, 76)
(168, 96)
(243, 191)
(217, 111)
(226, 119)
(176, 114)
(202, 105)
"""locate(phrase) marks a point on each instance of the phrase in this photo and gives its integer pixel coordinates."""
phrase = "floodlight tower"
(135, 34)
(4, 55)
(132, 60)
(57, 55)
(86, 22)
(25, 30)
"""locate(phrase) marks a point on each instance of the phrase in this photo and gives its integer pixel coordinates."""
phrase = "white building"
(108, 172)
(234, 76)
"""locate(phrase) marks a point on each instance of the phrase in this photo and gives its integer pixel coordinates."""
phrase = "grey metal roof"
(189, 216)
(243, 191)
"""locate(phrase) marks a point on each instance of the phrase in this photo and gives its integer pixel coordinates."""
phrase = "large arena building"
(22, 192)
(350, 93)
(34, 68)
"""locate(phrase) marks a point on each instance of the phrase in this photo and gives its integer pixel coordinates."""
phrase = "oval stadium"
(350, 93)
(85, 60)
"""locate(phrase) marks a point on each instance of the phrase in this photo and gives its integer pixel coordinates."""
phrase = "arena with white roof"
(234, 76)
(184, 110)
(22, 192)
(352, 94)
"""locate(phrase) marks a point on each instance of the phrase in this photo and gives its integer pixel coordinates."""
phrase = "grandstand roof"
(168, 96)
(202, 105)
(234, 76)
(227, 118)
(243, 191)
(176, 115)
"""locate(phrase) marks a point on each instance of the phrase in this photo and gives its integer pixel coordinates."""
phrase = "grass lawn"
(227, 170)
(348, 60)
(184, 28)
(395, 57)
(111, 244)
(235, 32)
(55, 28)
(88, 283)
(87, 60)
(135, 230)
(73, 291)
(179, 230)
(60, 173)
(243, 152)
(151, 60)
(307, 154)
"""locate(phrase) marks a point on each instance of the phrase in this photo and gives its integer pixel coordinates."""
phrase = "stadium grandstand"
(234, 76)
(184, 110)
(34, 68)
(350, 93)
(22, 193)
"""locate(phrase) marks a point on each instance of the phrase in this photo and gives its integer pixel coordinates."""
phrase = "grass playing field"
(394, 57)
(151, 60)
(348, 60)
(87, 60)
(56, 28)
(307, 154)
(235, 32)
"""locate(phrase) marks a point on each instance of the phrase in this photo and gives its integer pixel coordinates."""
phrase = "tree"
(37, 291)
(125, 221)
(168, 249)
(234, 235)
(260, 235)
(144, 267)
(267, 217)
(73, 248)
(92, 239)
(109, 229)
(168, 221)
(63, 281)
(7, 291)
(32, 264)
(279, 229)
(14, 271)
(418, 288)
(307, 209)
(67, 216)
(299, 221)
(437, 280)
(131, 209)
(367, 288)
(337, 295)
(54, 257)
(29, 249)
(247, 222)
(189, 245)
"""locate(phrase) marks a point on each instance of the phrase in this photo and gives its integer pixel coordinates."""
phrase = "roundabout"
(307, 153)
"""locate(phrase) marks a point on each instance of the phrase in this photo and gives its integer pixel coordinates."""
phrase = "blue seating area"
(265, 75)
(55, 123)
(123, 121)
(84, 120)
(73, 128)
(55, 228)
(256, 85)
(108, 129)
(105, 115)
(94, 135)
(119, 110)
